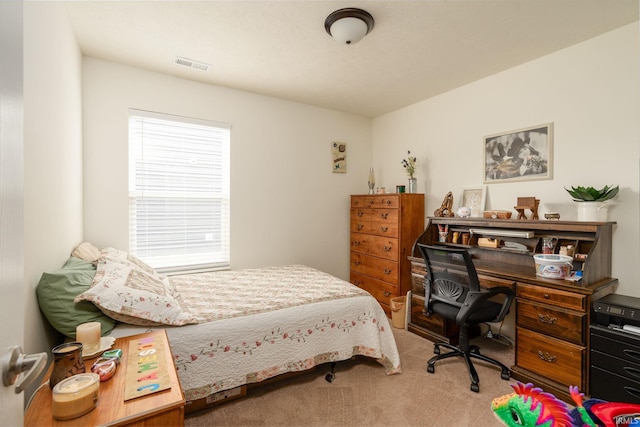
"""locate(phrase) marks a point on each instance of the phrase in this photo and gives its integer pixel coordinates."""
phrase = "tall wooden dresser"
(383, 229)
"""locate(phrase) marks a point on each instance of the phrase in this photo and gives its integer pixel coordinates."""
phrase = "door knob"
(16, 362)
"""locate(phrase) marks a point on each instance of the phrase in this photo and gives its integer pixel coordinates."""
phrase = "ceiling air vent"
(191, 63)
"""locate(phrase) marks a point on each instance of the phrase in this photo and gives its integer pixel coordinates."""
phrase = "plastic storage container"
(553, 266)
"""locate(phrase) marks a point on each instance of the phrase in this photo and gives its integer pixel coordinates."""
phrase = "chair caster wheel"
(436, 350)
(475, 349)
(330, 377)
(475, 388)
(431, 369)
(505, 375)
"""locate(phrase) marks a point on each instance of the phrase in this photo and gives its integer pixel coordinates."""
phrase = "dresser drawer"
(378, 268)
(615, 347)
(383, 247)
(559, 360)
(386, 201)
(622, 367)
(382, 291)
(612, 387)
(563, 324)
(555, 297)
(381, 222)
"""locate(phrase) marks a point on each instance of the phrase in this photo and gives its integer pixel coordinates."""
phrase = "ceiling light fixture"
(349, 25)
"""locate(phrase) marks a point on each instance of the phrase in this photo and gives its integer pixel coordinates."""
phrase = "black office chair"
(452, 290)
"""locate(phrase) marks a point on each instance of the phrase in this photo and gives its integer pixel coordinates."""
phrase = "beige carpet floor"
(362, 395)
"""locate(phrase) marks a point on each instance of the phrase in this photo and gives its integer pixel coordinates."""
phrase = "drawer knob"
(387, 293)
(356, 243)
(357, 262)
(388, 248)
(387, 271)
(384, 215)
(388, 202)
(360, 213)
(547, 357)
(384, 229)
(546, 296)
(545, 318)
(357, 282)
(360, 226)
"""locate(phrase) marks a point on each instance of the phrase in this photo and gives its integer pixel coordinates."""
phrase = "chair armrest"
(474, 298)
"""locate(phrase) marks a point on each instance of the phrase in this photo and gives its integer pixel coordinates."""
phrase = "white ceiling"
(416, 50)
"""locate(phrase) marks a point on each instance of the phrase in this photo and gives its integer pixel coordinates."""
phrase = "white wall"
(52, 155)
(286, 204)
(591, 92)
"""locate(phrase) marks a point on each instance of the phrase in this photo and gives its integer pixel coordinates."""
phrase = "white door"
(11, 213)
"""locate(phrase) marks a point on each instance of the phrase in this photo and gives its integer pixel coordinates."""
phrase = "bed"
(232, 328)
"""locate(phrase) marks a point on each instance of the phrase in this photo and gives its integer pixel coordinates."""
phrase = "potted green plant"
(591, 201)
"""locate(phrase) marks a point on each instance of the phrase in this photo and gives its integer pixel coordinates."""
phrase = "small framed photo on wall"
(339, 157)
(519, 155)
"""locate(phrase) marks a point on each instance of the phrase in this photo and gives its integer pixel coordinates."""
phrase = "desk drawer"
(558, 360)
(434, 322)
(555, 297)
(492, 282)
(417, 284)
(563, 324)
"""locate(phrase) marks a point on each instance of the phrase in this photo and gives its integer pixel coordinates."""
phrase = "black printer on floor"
(615, 349)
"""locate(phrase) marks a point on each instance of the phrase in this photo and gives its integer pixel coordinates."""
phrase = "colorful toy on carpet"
(532, 407)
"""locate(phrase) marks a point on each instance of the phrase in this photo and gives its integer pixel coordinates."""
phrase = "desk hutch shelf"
(552, 315)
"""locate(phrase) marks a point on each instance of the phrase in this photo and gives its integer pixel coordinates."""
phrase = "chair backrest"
(450, 274)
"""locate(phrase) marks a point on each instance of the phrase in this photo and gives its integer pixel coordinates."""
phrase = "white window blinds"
(178, 192)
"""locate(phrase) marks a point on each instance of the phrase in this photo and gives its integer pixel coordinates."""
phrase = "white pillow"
(128, 290)
(87, 252)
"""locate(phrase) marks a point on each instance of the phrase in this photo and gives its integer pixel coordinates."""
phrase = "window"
(178, 192)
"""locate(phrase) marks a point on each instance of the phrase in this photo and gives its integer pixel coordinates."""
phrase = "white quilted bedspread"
(259, 323)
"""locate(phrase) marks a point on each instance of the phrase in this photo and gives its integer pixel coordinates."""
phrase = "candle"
(75, 396)
(89, 335)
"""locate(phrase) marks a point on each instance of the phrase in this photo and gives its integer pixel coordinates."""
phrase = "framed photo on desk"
(474, 198)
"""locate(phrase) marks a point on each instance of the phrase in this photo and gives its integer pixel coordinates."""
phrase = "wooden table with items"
(161, 408)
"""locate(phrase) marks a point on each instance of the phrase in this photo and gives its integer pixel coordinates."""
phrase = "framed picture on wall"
(519, 155)
(339, 157)
(474, 198)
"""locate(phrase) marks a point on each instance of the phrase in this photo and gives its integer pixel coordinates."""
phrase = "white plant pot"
(593, 211)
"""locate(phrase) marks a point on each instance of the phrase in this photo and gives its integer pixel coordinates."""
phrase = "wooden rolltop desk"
(552, 315)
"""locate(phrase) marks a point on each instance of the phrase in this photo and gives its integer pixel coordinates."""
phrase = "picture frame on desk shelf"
(519, 155)
(474, 198)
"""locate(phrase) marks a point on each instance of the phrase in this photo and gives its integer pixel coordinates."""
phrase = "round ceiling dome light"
(349, 25)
